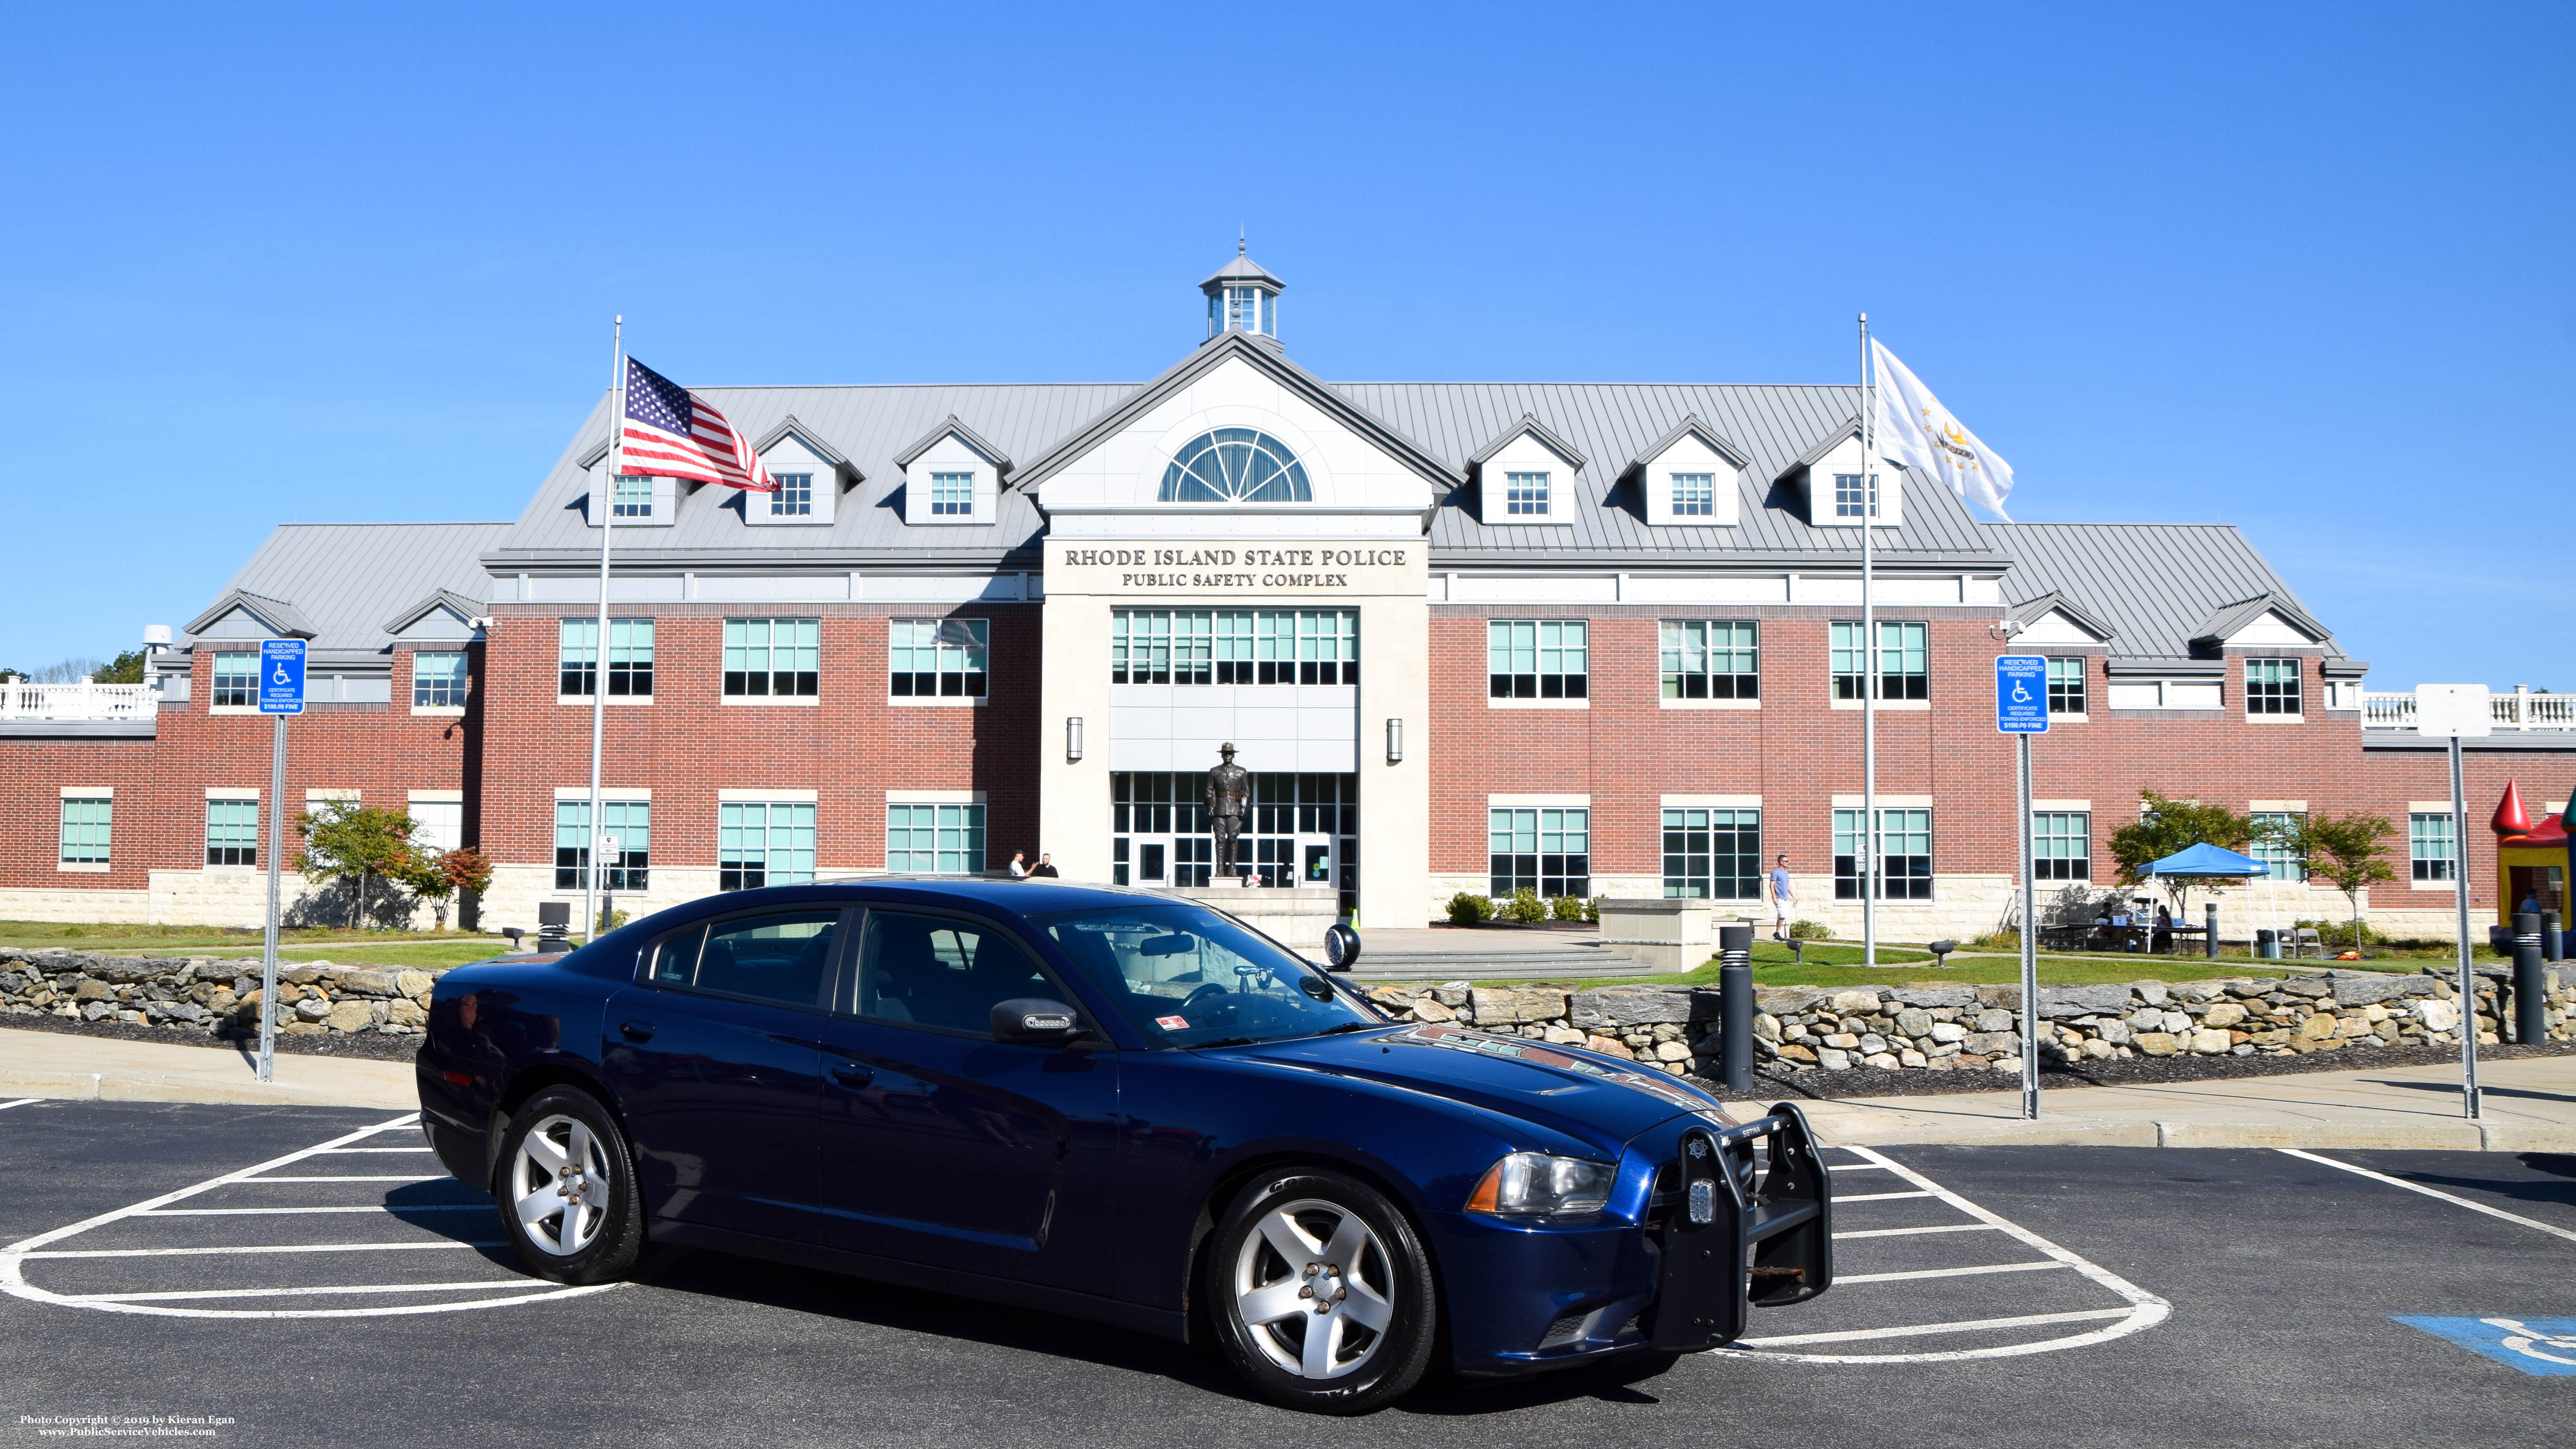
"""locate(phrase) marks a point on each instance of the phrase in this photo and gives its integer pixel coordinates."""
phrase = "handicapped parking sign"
(2021, 694)
(281, 676)
(2542, 1347)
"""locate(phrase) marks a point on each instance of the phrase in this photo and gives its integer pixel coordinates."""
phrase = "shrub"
(1469, 909)
(1808, 931)
(2337, 935)
(1996, 941)
(1592, 910)
(1525, 906)
(1566, 908)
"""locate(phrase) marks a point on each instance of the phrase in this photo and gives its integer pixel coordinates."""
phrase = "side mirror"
(1341, 946)
(1034, 1021)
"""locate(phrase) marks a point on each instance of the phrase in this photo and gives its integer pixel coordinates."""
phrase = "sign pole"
(2468, 977)
(276, 849)
(1872, 864)
(2021, 710)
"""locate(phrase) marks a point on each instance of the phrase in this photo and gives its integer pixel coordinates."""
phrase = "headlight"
(1533, 1184)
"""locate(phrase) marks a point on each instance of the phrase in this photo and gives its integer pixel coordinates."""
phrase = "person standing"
(1019, 865)
(1783, 896)
(1045, 868)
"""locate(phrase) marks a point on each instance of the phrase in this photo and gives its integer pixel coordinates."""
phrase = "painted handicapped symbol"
(2544, 1348)
(2526, 1340)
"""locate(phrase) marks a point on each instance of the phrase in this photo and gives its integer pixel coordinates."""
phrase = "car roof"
(1010, 897)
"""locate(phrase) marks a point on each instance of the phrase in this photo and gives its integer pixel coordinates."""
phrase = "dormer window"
(795, 495)
(632, 497)
(952, 495)
(1694, 495)
(1525, 494)
(1847, 495)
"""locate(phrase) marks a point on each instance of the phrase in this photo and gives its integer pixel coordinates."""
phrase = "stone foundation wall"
(212, 998)
(1970, 1028)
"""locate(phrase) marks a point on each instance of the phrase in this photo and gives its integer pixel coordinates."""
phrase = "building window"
(630, 657)
(777, 658)
(1713, 854)
(1903, 667)
(795, 495)
(631, 821)
(1694, 495)
(438, 826)
(1905, 844)
(2061, 845)
(763, 844)
(1847, 499)
(1548, 851)
(85, 829)
(632, 497)
(952, 495)
(935, 839)
(236, 681)
(1234, 465)
(438, 679)
(939, 658)
(1536, 659)
(1234, 646)
(1524, 494)
(2285, 864)
(2432, 846)
(2066, 686)
(1709, 660)
(232, 832)
(2271, 686)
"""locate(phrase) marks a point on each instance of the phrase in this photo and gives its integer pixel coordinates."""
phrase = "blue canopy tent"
(2205, 860)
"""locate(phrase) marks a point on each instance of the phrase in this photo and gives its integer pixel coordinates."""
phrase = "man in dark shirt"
(1045, 867)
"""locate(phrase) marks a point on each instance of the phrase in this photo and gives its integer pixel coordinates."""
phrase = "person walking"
(1783, 896)
(1045, 868)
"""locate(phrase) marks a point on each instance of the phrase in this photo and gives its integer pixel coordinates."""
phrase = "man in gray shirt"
(1782, 897)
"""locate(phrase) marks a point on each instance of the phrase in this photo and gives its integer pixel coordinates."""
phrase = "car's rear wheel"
(567, 1190)
(1321, 1294)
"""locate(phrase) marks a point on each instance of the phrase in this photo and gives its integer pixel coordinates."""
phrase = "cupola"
(1243, 298)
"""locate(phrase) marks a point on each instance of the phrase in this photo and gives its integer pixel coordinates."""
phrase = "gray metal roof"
(2155, 583)
(346, 580)
(1242, 269)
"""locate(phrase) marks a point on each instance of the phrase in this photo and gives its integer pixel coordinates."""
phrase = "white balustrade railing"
(2519, 710)
(19, 700)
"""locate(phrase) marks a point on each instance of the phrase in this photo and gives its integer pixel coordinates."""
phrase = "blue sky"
(2303, 269)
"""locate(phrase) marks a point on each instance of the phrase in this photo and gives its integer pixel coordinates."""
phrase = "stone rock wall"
(1968, 1028)
(209, 997)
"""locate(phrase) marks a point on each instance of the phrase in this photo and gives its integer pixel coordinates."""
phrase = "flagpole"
(599, 651)
(1871, 861)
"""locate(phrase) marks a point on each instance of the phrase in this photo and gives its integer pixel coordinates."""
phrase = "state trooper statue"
(1229, 800)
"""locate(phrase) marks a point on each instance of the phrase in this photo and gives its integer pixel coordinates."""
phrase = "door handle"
(852, 1075)
(636, 1030)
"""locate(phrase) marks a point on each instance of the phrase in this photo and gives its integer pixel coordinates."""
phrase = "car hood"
(1583, 1094)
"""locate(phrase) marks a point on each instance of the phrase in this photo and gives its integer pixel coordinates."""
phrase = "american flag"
(672, 432)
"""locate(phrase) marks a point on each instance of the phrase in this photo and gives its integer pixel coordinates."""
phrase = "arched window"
(1235, 465)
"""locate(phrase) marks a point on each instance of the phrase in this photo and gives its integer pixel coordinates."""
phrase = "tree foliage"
(125, 668)
(2345, 851)
(349, 841)
(2166, 826)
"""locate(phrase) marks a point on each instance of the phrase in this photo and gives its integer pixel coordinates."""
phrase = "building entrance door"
(1303, 832)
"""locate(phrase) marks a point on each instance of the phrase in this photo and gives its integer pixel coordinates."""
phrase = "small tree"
(436, 877)
(2167, 826)
(347, 841)
(2346, 852)
(125, 668)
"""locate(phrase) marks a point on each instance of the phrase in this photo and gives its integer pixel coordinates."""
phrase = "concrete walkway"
(2527, 1105)
(61, 1064)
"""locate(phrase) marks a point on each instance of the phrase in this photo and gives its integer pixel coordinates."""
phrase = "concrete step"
(1568, 962)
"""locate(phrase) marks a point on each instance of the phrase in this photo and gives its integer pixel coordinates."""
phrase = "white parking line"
(15, 1257)
(2475, 1207)
(425, 1207)
(21, 1102)
(2145, 1310)
(385, 1177)
(305, 1292)
(337, 1151)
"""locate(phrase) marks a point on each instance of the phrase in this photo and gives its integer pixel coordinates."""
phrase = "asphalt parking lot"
(324, 1283)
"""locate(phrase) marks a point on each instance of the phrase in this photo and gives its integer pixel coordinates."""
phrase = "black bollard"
(1735, 1002)
(2210, 938)
(2553, 946)
(2530, 981)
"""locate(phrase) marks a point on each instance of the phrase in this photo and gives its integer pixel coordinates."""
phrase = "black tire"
(608, 1234)
(1367, 1365)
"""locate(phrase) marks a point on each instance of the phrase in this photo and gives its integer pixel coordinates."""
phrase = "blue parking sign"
(281, 676)
(2021, 694)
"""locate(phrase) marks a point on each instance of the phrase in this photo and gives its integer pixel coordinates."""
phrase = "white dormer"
(2053, 618)
(951, 476)
(811, 476)
(2265, 621)
(1527, 475)
(640, 502)
(1688, 478)
(1839, 489)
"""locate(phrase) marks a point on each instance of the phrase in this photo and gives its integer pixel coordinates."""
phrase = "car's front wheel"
(1321, 1294)
(567, 1190)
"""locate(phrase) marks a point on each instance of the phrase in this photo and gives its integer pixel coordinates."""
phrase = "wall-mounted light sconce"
(1073, 737)
(1395, 742)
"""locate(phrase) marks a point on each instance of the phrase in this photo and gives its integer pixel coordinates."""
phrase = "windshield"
(1185, 976)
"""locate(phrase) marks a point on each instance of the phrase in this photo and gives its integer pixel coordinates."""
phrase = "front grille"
(1566, 1329)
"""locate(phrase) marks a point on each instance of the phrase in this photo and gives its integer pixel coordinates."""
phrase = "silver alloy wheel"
(559, 1185)
(1314, 1288)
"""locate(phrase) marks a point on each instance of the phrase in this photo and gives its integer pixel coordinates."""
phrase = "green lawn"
(397, 952)
(390, 948)
(1838, 965)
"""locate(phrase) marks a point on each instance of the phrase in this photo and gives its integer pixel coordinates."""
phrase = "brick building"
(1594, 639)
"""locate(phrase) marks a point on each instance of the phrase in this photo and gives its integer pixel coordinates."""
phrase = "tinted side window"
(784, 956)
(934, 971)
